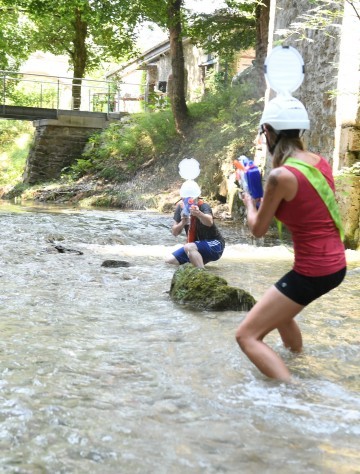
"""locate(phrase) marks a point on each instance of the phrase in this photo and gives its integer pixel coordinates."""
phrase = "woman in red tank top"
(319, 264)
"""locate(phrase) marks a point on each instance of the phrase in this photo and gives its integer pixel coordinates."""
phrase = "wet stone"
(62, 249)
(202, 290)
(115, 263)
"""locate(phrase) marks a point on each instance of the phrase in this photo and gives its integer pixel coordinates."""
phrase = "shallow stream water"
(102, 373)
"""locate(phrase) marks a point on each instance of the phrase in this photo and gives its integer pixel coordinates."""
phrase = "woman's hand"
(248, 201)
(246, 198)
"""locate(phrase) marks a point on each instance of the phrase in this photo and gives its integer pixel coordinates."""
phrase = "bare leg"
(291, 335)
(171, 260)
(194, 255)
(273, 311)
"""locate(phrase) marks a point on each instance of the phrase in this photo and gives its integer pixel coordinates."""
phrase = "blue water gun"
(250, 177)
(188, 202)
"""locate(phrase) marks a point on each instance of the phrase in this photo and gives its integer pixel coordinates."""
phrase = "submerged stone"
(202, 290)
(62, 249)
(115, 263)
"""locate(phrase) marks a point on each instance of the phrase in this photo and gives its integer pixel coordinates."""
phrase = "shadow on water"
(101, 372)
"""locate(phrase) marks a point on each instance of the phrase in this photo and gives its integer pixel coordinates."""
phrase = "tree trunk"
(79, 58)
(262, 14)
(177, 98)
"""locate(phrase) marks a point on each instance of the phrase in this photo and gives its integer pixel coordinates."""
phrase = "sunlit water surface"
(102, 373)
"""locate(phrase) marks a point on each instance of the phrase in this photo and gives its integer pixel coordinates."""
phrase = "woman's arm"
(281, 184)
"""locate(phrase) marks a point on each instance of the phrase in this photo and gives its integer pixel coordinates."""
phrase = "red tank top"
(318, 248)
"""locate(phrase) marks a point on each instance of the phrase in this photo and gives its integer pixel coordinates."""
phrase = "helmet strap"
(272, 147)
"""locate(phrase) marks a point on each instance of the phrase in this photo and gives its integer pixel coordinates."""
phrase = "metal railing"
(58, 92)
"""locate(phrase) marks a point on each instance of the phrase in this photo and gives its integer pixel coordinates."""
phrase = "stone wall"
(330, 92)
(348, 192)
(320, 53)
(58, 143)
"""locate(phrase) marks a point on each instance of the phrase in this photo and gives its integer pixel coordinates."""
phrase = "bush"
(123, 147)
(15, 140)
(25, 98)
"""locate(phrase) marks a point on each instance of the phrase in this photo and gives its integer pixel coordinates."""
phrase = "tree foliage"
(106, 28)
(89, 32)
(227, 30)
(14, 45)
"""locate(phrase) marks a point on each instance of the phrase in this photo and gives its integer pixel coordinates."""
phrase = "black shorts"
(303, 289)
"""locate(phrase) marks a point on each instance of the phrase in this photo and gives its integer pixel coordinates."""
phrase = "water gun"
(240, 165)
(188, 202)
(248, 177)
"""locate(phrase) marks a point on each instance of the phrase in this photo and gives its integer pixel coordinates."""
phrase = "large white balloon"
(284, 69)
(189, 168)
(190, 189)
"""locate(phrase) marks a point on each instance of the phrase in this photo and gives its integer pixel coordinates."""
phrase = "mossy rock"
(202, 290)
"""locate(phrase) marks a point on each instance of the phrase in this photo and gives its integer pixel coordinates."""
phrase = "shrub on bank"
(123, 147)
(117, 152)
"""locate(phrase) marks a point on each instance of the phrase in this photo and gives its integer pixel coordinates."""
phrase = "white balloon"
(190, 189)
(189, 168)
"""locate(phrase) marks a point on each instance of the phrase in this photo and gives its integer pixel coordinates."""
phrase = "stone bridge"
(60, 131)
(59, 141)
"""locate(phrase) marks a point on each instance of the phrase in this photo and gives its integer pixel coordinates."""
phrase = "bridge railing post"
(58, 95)
(4, 92)
(108, 100)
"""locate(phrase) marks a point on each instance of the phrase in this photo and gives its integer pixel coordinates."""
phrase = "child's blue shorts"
(210, 250)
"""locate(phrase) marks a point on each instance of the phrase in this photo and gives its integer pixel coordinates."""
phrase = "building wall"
(347, 133)
(128, 97)
(195, 83)
(164, 67)
(159, 70)
(243, 60)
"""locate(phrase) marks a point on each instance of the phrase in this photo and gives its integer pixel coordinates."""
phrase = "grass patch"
(15, 140)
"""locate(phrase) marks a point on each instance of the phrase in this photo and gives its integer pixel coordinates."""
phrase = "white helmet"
(190, 189)
(285, 113)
